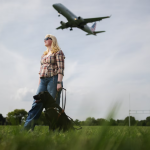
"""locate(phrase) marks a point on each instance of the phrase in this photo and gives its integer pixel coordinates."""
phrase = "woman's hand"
(59, 87)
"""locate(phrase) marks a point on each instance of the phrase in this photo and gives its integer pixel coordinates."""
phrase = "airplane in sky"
(79, 22)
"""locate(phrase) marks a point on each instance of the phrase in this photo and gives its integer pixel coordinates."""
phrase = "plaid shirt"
(52, 65)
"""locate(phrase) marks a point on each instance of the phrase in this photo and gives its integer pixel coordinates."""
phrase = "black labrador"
(55, 115)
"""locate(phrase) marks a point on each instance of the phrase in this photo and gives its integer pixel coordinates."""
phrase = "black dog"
(55, 115)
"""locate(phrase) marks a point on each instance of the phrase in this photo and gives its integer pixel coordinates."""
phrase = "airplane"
(79, 22)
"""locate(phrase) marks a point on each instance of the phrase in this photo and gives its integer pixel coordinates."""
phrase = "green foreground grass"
(88, 138)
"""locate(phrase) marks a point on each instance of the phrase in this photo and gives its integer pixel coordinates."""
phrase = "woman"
(50, 77)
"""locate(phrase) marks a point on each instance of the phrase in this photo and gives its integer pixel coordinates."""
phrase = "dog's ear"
(37, 97)
(42, 96)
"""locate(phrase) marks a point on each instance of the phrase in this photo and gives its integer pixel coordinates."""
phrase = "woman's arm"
(60, 77)
(60, 63)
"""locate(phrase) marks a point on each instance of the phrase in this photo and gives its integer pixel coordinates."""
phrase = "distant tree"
(132, 121)
(82, 123)
(120, 122)
(2, 119)
(148, 121)
(90, 121)
(77, 122)
(113, 122)
(136, 123)
(141, 123)
(101, 122)
(16, 117)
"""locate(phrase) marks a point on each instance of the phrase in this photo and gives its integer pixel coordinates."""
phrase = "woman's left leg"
(36, 109)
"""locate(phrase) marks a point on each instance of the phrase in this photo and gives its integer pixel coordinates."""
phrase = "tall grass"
(89, 138)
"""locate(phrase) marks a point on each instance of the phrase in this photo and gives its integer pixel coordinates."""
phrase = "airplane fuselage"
(72, 18)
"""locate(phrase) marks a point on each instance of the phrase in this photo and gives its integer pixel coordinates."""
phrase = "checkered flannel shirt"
(52, 65)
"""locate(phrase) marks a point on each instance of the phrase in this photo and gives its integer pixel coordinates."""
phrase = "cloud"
(23, 94)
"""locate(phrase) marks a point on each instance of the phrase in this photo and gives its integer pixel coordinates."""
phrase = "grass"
(89, 138)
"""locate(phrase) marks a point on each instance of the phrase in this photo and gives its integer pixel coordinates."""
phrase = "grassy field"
(88, 138)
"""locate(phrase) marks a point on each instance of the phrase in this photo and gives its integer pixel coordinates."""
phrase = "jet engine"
(80, 19)
(63, 23)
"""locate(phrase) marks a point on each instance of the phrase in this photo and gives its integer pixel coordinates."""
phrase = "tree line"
(18, 117)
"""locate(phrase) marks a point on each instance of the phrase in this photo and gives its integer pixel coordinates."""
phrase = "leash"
(63, 103)
(75, 123)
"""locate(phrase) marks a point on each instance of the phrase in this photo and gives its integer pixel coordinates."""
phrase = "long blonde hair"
(54, 46)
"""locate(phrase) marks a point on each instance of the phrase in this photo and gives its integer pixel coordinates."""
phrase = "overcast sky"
(99, 70)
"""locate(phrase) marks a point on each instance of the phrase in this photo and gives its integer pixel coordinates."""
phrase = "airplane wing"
(66, 25)
(88, 20)
(61, 27)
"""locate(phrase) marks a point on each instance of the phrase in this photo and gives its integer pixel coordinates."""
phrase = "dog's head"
(44, 97)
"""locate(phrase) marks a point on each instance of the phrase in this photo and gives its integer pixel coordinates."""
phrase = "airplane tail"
(93, 27)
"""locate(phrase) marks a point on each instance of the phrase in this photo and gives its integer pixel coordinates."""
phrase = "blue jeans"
(46, 84)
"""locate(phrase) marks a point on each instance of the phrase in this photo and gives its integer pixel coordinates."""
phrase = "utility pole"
(129, 109)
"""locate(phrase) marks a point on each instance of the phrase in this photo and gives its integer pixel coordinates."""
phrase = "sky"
(100, 71)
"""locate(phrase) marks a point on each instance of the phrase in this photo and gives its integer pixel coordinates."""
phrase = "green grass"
(88, 138)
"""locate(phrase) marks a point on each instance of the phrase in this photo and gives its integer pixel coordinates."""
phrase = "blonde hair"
(54, 46)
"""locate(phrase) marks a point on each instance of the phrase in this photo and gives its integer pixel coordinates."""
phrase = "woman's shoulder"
(60, 52)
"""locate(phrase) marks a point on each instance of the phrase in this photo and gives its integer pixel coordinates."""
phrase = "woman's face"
(48, 42)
